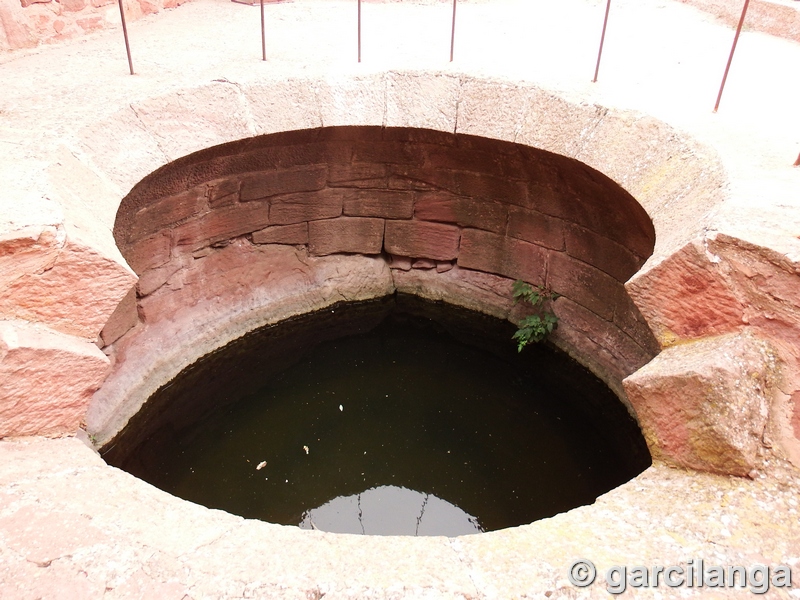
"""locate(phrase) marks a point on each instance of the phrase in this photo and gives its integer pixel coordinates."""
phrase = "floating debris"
(341, 407)
(261, 465)
(306, 449)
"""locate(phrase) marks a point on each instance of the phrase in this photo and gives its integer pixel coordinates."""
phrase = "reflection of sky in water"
(391, 510)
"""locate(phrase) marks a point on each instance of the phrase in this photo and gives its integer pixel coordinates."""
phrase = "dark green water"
(391, 417)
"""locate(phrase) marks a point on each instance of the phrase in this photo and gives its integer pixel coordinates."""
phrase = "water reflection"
(391, 510)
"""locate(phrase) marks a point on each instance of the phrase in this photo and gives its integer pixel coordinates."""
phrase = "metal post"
(263, 35)
(125, 33)
(453, 32)
(602, 40)
(359, 30)
(730, 58)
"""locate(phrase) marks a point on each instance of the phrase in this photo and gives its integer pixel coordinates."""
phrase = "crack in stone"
(451, 542)
(147, 131)
(421, 513)
(250, 120)
(360, 515)
(461, 82)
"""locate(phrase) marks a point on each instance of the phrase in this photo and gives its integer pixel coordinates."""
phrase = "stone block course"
(466, 159)
(535, 227)
(358, 175)
(345, 234)
(284, 181)
(588, 286)
(379, 203)
(222, 224)
(282, 234)
(489, 187)
(296, 208)
(391, 152)
(419, 239)
(168, 211)
(152, 279)
(607, 350)
(628, 318)
(603, 253)
(150, 252)
(223, 192)
(124, 318)
(493, 253)
(467, 212)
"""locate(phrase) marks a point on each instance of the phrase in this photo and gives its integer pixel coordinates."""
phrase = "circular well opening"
(396, 416)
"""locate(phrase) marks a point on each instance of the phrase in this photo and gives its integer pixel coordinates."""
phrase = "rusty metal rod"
(359, 30)
(730, 58)
(453, 32)
(125, 33)
(263, 35)
(602, 40)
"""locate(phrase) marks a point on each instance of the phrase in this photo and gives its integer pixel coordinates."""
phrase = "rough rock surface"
(47, 379)
(703, 405)
(70, 525)
(216, 299)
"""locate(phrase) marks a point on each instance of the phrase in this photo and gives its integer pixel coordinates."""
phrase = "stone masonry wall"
(443, 211)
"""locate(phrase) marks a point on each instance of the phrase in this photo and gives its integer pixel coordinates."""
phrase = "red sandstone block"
(273, 183)
(149, 252)
(492, 253)
(312, 153)
(419, 239)
(422, 178)
(397, 182)
(152, 279)
(423, 263)
(223, 192)
(489, 187)
(597, 342)
(549, 200)
(168, 211)
(628, 318)
(601, 252)
(48, 380)
(420, 136)
(379, 203)
(365, 175)
(613, 214)
(296, 208)
(400, 262)
(383, 152)
(352, 133)
(283, 234)
(124, 318)
(463, 159)
(444, 207)
(345, 234)
(222, 224)
(583, 284)
(535, 227)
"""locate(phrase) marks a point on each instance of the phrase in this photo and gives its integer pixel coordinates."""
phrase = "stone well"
(158, 217)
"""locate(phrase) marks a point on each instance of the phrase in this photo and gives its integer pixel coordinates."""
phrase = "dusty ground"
(72, 527)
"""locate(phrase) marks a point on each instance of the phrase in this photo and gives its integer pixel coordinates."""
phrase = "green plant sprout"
(535, 327)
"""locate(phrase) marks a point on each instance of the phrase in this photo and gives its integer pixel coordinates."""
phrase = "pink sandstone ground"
(720, 292)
